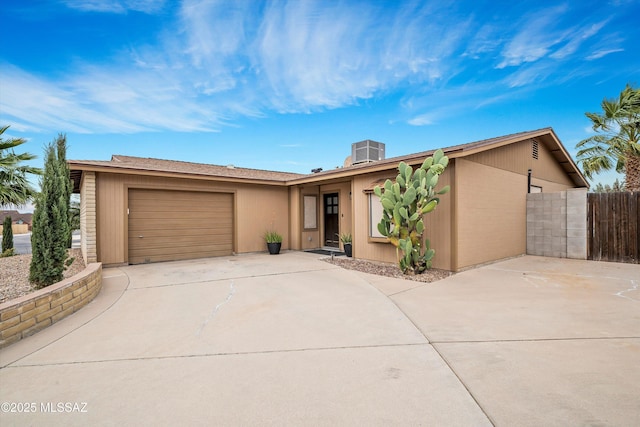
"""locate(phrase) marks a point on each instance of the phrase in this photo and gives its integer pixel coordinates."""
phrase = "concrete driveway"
(292, 340)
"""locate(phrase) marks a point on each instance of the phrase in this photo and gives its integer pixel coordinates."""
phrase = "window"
(375, 215)
(310, 212)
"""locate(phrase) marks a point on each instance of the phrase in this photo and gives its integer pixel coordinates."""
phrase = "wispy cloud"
(115, 6)
(219, 60)
(577, 38)
(601, 53)
(536, 38)
(422, 120)
(102, 101)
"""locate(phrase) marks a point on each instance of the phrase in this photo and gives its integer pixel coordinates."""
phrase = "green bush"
(7, 234)
(7, 253)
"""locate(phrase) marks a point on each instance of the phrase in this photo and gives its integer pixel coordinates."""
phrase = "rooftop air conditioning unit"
(367, 151)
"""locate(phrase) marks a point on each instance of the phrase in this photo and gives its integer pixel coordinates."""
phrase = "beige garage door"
(174, 225)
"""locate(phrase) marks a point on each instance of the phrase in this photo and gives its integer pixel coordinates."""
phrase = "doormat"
(325, 252)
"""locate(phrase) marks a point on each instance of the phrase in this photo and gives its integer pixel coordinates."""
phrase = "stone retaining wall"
(24, 316)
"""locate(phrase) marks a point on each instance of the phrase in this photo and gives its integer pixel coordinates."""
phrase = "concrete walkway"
(292, 340)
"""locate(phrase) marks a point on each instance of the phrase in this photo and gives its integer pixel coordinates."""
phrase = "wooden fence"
(613, 227)
(18, 228)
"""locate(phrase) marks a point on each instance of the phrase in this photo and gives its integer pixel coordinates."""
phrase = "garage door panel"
(177, 256)
(159, 224)
(178, 249)
(177, 232)
(179, 225)
(170, 207)
(178, 241)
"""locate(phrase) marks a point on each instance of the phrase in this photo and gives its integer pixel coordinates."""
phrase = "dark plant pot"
(274, 248)
(348, 249)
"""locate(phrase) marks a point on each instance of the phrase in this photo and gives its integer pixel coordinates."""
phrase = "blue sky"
(289, 85)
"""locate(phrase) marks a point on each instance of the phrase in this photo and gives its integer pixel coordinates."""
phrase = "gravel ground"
(389, 270)
(14, 274)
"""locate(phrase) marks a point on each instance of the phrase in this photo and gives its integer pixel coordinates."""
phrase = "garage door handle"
(140, 236)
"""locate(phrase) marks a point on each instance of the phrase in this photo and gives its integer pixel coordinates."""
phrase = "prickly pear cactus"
(404, 203)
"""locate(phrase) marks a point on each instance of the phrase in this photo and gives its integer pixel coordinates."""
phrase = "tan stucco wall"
(438, 223)
(257, 208)
(491, 213)
(491, 200)
(518, 158)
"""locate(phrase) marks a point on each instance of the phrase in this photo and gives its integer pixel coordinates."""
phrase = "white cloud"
(98, 101)
(576, 39)
(601, 53)
(219, 60)
(327, 55)
(527, 75)
(536, 38)
(115, 6)
(422, 120)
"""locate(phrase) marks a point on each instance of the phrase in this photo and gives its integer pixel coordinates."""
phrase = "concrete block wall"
(557, 224)
(24, 316)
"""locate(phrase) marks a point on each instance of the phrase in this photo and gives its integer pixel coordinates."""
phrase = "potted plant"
(274, 242)
(346, 240)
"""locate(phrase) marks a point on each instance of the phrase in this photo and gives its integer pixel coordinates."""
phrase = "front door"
(331, 220)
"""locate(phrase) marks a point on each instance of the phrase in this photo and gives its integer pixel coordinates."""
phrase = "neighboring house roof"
(127, 164)
(15, 216)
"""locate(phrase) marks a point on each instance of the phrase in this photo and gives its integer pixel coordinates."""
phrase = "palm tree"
(617, 142)
(14, 186)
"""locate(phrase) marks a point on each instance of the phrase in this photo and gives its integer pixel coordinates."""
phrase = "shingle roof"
(234, 173)
(159, 165)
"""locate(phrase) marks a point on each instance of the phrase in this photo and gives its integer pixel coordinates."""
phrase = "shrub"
(7, 253)
(7, 234)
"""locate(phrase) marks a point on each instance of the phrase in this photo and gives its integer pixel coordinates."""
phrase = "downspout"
(529, 181)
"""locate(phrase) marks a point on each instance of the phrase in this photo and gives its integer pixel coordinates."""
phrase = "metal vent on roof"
(534, 149)
(367, 151)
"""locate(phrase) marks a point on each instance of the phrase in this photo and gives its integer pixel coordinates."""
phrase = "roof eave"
(84, 167)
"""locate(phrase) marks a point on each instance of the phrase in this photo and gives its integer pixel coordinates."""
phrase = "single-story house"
(138, 210)
(21, 222)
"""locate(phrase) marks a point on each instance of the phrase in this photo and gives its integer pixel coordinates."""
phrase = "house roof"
(15, 216)
(129, 164)
(545, 136)
(140, 165)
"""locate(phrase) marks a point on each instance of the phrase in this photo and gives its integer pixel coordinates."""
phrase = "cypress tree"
(7, 234)
(50, 225)
(63, 170)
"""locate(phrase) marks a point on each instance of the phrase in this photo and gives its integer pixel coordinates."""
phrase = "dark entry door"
(331, 220)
